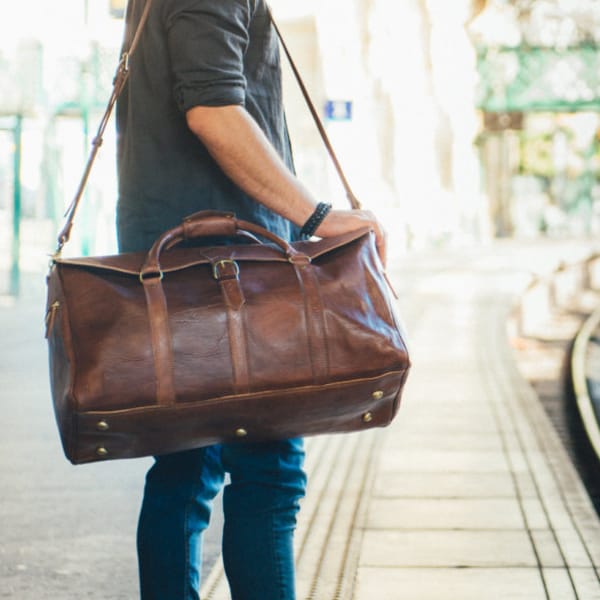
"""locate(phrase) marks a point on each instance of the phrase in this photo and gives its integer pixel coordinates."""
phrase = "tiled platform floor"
(474, 496)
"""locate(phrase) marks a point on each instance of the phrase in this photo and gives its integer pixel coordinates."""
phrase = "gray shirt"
(193, 53)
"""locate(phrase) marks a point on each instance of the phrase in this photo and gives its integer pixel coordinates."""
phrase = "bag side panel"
(61, 360)
(362, 334)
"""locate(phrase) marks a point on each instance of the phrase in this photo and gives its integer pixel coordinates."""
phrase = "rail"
(579, 362)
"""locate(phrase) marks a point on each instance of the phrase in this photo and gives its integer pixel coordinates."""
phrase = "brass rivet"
(241, 432)
(102, 426)
(101, 451)
(367, 417)
(378, 395)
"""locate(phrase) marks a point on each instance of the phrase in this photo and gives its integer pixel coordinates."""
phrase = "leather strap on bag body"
(120, 79)
(315, 322)
(162, 341)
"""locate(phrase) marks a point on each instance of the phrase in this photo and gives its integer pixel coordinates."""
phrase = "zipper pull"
(50, 314)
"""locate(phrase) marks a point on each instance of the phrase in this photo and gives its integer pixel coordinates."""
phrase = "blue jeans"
(259, 505)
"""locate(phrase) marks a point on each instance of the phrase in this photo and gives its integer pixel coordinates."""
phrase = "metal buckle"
(121, 72)
(125, 61)
(300, 259)
(143, 277)
(52, 258)
(223, 262)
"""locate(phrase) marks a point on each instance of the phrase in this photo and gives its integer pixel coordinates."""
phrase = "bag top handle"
(119, 81)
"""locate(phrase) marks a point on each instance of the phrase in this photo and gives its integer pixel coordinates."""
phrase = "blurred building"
(539, 93)
(408, 70)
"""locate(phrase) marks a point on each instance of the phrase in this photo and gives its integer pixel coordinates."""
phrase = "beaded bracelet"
(313, 222)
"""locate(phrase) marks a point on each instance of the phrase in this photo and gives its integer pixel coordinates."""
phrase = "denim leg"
(175, 512)
(260, 506)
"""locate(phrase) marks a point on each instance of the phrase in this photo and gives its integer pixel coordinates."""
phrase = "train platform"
(469, 494)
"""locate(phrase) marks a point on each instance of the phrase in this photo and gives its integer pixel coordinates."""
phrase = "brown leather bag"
(183, 347)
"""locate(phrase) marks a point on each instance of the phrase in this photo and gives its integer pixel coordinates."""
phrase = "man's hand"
(338, 222)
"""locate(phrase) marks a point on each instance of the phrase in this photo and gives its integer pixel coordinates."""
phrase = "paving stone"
(522, 461)
(587, 583)
(448, 440)
(559, 584)
(472, 404)
(444, 485)
(534, 513)
(547, 548)
(447, 548)
(458, 513)
(449, 584)
(525, 484)
(510, 439)
(558, 513)
(573, 549)
(444, 424)
(456, 461)
(543, 475)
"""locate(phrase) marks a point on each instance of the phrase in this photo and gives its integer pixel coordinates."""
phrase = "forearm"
(243, 152)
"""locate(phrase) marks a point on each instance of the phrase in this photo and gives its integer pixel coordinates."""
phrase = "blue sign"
(117, 8)
(338, 110)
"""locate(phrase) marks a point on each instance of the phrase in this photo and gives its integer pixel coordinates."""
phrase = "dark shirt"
(193, 53)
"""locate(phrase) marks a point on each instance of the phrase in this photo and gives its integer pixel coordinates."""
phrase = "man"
(201, 126)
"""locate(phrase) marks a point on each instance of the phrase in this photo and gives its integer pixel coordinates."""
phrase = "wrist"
(314, 221)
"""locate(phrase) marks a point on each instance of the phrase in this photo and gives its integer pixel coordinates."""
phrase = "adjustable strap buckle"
(122, 70)
(226, 268)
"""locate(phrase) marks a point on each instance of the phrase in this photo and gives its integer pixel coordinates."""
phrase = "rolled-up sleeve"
(207, 42)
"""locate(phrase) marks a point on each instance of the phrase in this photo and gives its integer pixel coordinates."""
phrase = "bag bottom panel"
(342, 407)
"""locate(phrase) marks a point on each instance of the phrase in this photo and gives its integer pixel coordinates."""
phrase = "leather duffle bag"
(182, 347)
(189, 345)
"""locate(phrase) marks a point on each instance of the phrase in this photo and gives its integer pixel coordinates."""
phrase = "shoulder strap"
(119, 81)
(315, 115)
(121, 77)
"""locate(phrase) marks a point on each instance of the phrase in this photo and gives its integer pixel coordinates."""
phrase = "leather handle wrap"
(209, 224)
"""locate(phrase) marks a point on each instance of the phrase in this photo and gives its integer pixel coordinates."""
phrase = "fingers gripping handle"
(210, 224)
